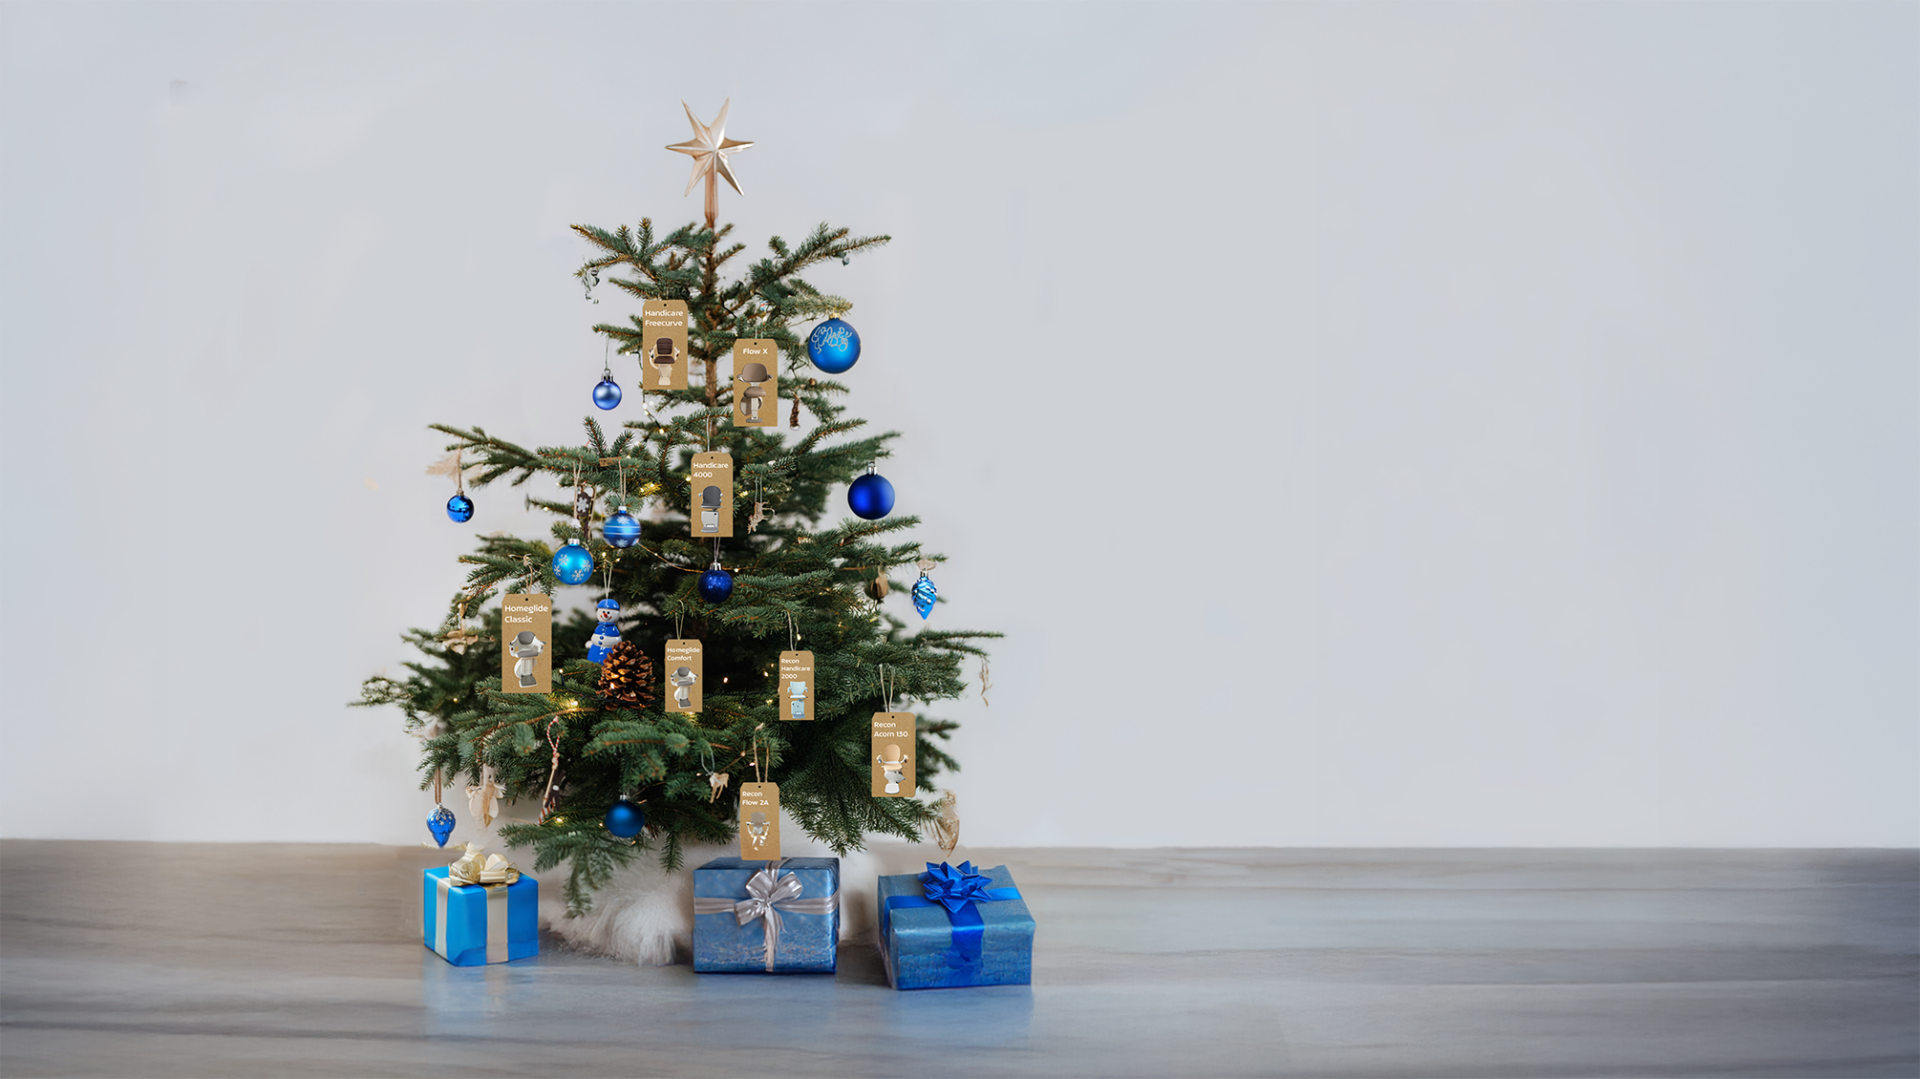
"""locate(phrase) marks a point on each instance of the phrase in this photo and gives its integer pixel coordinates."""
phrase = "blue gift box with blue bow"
(780, 916)
(955, 926)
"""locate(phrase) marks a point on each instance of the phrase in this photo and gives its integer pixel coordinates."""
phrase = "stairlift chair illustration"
(893, 764)
(753, 375)
(524, 648)
(710, 509)
(682, 679)
(662, 358)
(757, 830)
(798, 707)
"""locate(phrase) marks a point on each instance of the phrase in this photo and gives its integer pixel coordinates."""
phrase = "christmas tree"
(805, 577)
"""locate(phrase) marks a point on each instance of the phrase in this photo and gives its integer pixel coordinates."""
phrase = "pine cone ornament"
(627, 675)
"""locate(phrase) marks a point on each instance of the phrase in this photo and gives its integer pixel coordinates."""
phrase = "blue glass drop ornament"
(460, 509)
(625, 819)
(572, 564)
(716, 584)
(924, 593)
(440, 823)
(870, 496)
(833, 346)
(622, 529)
(607, 394)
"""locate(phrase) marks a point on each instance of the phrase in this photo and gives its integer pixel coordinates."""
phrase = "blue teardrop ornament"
(440, 823)
(923, 594)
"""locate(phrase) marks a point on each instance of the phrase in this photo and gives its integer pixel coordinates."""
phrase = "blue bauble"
(622, 529)
(833, 346)
(572, 564)
(625, 819)
(607, 393)
(870, 496)
(716, 584)
(440, 823)
(460, 509)
(924, 594)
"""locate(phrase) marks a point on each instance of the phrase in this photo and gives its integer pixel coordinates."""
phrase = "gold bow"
(474, 868)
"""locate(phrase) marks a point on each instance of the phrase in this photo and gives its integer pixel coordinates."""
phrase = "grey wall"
(1467, 424)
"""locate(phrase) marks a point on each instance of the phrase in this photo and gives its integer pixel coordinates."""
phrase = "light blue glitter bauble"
(870, 496)
(716, 585)
(607, 393)
(460, 509)
(625, 819)
(923, 594)
(622, 529)
(833, 346)
(572, 564)
(440, 823)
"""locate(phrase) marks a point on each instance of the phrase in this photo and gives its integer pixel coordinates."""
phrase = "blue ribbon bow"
(958, 890)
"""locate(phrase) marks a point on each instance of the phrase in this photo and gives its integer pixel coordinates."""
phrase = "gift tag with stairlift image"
(663, 345)
(759, 821)
(685, 677)
(893, 748)
(756, 383)
(712, 512)
(795, 700)
(526, 645)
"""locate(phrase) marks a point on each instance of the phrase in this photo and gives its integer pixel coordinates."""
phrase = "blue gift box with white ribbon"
(780, 916)
(955, 926)
(471, 925)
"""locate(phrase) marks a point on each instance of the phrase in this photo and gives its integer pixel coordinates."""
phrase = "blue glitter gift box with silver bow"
(781, 916)
(955, 926)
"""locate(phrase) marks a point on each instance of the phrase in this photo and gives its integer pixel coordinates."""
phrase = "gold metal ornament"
(710, 149)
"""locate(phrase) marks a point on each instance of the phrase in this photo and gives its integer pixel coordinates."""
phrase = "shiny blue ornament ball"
(833, 346)
(622, 529)
(607, 393)
(440, 823)
(572, 564)
(870, 496)
(716, 585)
(625, 819)
(460, 509)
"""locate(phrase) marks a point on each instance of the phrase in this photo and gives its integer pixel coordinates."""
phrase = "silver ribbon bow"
(768, 893)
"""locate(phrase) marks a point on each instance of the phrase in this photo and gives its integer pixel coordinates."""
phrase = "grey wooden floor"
(191, 960)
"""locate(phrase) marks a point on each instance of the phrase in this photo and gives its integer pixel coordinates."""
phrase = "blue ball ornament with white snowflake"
(834, 346)
(572, 564)
(622, 529)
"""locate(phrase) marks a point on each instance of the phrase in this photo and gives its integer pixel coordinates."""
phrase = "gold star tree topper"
(710, 149)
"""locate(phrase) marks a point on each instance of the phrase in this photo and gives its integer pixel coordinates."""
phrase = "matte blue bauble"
(607, 393)
(572, 564)
(833, 346)
(622, 529)
(440, 823)
(460, 509)
(716, 585)
(625, 819)
(870, 496)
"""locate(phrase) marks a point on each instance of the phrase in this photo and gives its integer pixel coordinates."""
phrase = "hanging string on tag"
(759, 776)
(679, 629)
(887, 688)
(793, 633)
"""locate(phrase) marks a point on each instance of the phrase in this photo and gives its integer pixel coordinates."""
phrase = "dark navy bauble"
(572, 564)
(716, 584)
(870, 496)
(460, 509)
(607, 393)
(625, 819)
(833, 346)
(622, 529)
